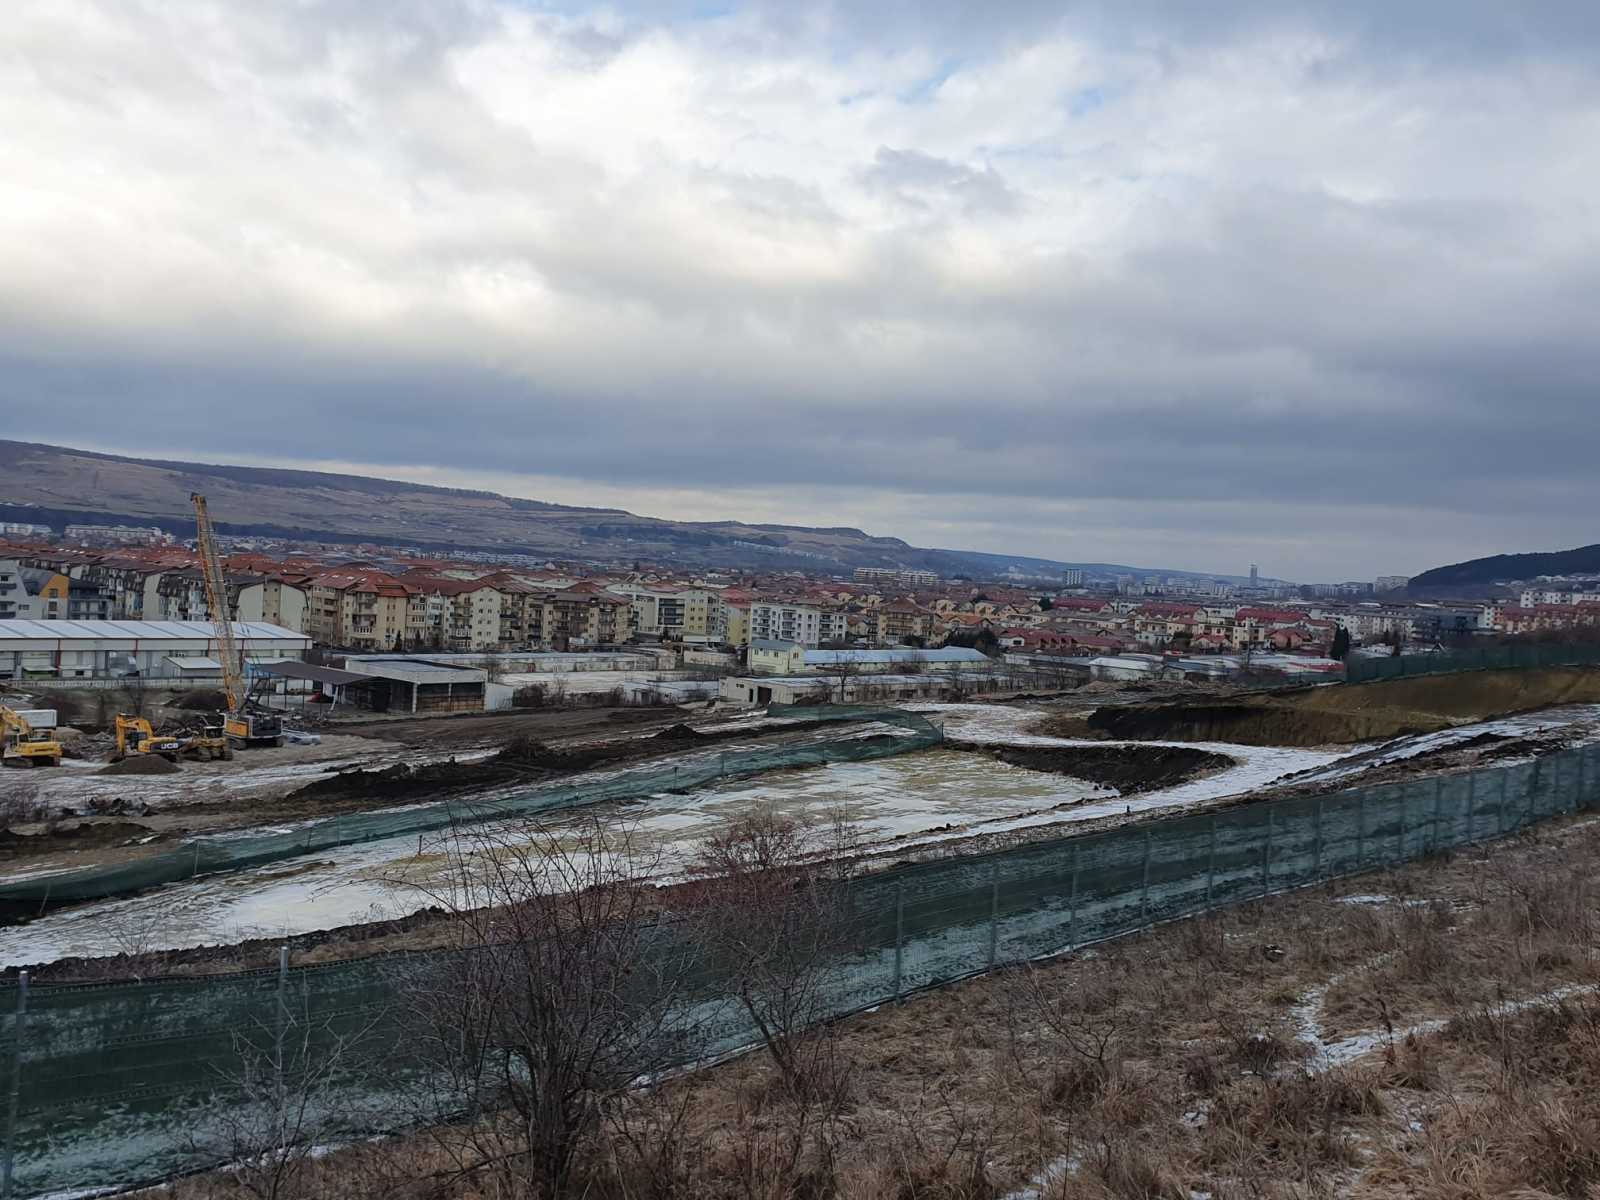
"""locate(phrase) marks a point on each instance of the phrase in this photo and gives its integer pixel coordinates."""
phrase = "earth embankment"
(1345, 713)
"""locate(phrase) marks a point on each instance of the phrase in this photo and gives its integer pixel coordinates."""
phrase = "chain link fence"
(207, 856)
(1513, 655)
(108, 1083)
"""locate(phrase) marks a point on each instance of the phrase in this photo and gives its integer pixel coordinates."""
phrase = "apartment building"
(32, 593)
(782, 621)
(733, 618)
(584, 615)
(899, 621)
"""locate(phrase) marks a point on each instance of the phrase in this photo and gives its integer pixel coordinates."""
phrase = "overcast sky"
(1187, 285)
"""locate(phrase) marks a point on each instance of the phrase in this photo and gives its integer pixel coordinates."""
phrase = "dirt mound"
(1345, 713)
(203, 699)
(679, 733)
(140, 764)
(1129, 769)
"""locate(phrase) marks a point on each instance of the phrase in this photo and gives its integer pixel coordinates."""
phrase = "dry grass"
(1163, 1066)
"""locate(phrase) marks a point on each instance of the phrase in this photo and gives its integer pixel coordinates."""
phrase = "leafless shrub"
(280, 1100)
(564, 991)
(774, 923)
(1066, 1040)
(20, 803)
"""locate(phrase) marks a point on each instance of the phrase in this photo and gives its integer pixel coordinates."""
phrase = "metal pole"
(1072, 928)
(1266, 856)
(899, 930)
(1361, 829)
(1438, 801)
(18, 1032)
(1211, 861)
(282, 1016)
(1144, 888)
(994, 909)
(1318, 867)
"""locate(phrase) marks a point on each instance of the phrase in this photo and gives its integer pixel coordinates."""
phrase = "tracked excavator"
(23, 743)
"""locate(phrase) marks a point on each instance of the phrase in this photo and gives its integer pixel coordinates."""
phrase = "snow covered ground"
(895, 804)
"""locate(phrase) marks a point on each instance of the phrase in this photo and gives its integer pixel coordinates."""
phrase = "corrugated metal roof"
(293, 669)
(195, 664)
(142, 630)
(943, 654)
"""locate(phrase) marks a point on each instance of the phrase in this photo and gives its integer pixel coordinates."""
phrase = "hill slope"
(55, 485)
(1482, 571)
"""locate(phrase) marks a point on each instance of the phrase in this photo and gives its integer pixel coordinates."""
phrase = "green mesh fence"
(1512, 656)
(112, 1084)
(206, 856)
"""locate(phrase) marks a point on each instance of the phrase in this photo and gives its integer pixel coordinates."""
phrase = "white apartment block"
(774, 621)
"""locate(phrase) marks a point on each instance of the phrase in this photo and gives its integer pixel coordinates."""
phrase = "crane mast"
(244, 723)
(217, 604)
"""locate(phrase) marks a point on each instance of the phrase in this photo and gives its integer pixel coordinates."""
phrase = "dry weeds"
(1301, 1047)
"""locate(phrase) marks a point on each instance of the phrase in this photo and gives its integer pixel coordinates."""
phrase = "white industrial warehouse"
(168, 651)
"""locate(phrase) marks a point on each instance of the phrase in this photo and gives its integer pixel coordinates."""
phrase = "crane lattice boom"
(217, 604)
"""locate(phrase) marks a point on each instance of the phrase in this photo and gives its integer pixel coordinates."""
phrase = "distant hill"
(1480, 572)
(55, 485)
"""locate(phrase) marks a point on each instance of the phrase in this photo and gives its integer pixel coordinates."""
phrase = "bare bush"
(566, 989)
(774, 924)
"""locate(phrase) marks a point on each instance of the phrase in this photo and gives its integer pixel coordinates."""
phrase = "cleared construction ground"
(1342, 714)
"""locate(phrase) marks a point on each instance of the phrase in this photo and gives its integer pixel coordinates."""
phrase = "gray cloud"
(923, 182)
(1303, 285)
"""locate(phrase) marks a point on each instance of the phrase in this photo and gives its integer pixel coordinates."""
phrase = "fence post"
(1211, 861)
(1438, 802)
(1361, 829)
(1144, 887)
(1072, 927)
(18, 1031)
(282, 1016)
(1400, 833)
(1317, 867)
(1500, 809)
(1579, 800)
(899, 930)
(1472, 807)
(994, 909)
(1266, 856)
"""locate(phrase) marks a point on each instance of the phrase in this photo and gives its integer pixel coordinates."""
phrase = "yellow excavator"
(136, 736)
(21, 742)
(245, 723)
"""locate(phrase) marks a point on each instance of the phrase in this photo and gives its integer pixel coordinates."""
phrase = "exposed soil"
(488, 729)
(523, 759)
(1129, 769)
(75, 835)
(141, 764)
(1345, 713)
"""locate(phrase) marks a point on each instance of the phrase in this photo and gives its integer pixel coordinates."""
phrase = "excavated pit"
(1129, 769)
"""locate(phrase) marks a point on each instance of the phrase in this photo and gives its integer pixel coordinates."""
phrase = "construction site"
(220, 844)
(212, 841)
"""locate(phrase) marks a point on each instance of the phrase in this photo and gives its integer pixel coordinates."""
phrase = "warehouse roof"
(144, 631)
(944, 654)
(293, 669)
